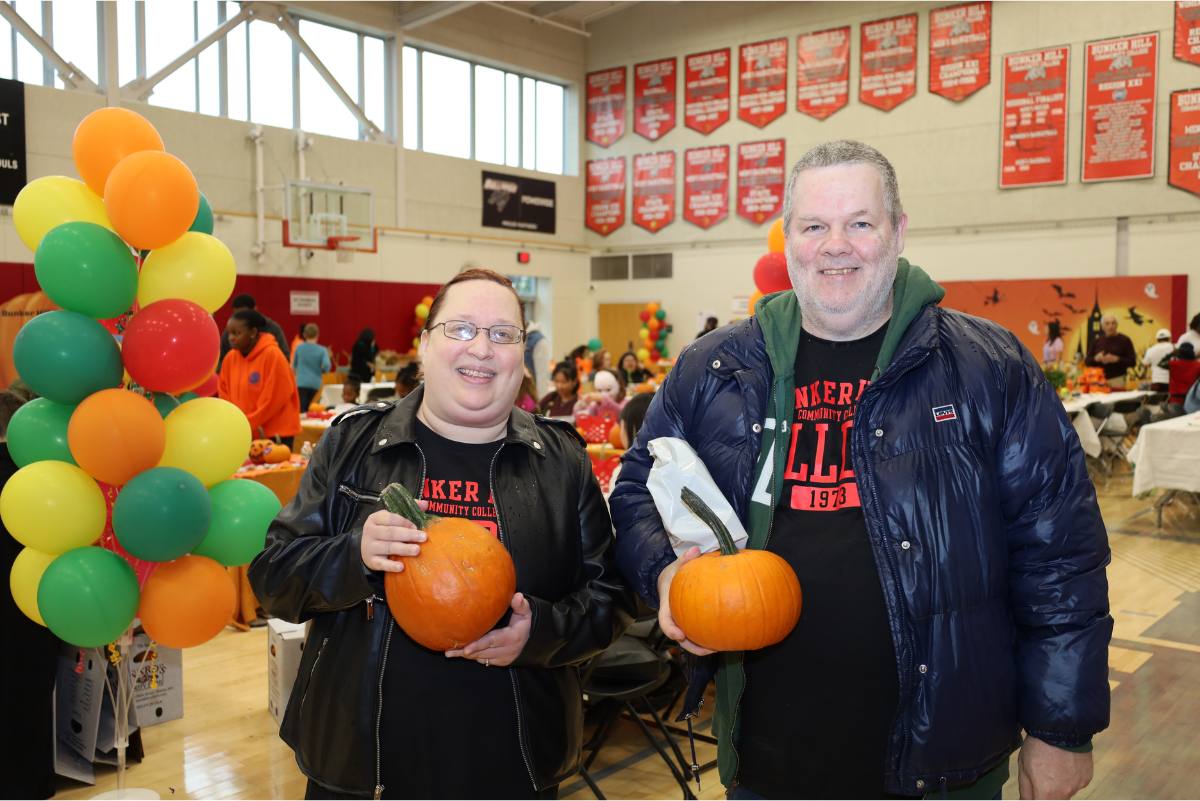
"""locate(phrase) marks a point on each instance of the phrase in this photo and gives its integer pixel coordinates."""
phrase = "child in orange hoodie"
(257, 378)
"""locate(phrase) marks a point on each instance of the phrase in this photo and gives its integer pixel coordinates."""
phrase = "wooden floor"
(226, 745)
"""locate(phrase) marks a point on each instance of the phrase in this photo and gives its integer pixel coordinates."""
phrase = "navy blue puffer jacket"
(985, 528)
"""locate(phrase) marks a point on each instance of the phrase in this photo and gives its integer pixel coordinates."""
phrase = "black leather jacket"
(552, 519)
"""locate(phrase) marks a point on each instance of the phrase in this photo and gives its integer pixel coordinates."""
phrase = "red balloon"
(209, 388)
(770, 273)
(171, 346)
(644, 315)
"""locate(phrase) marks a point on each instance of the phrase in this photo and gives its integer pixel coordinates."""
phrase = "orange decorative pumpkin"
(731, 600)
(457, 588)
(275, 453)
(257, 448)
(614, 436)
(14, 313)
(315, 408)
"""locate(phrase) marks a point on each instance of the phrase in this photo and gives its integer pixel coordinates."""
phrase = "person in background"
(1160, 377)
(1052, 348)
(1192, 334)
(362, 356)
(256, 377)
(633, 414)
(601, 360)
(245, 301)
(631, 370)
(310, 362)
(351, 389)
(1113, 352)
(1184, 369)
(296, 340)
(526, 400)
(561, 402)
(709, 325)
(607, 399)
(408, 378)
(28, 673)
(375, 713)
(537, 357)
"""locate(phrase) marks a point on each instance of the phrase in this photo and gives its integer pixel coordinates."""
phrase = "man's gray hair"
(845, 151)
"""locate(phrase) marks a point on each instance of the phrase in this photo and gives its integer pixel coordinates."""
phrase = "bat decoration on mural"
(993, 299)
(1074, 310)
(1137, 318)
(1061, 294)
(1049, 313)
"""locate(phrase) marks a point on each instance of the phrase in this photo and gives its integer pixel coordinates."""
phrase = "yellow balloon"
(196, 267)
(23, 581)
(53, 507)
(48, 202)
(208, 437)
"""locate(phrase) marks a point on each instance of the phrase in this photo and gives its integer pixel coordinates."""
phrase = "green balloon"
(662, 351)
(161, 514)
(187, 396)
(38, 432)
(204, 217)
(66, 356)
(594, 344)
(88, 596)
(86, 268)
(241, 512)
(164, 403)
(661, 314)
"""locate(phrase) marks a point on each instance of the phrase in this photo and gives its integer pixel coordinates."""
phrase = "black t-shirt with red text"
(449, 726)
(819, 705)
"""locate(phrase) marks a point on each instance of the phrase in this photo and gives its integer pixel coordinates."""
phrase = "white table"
(331, 394)
(1167, 455)
(1076, 407)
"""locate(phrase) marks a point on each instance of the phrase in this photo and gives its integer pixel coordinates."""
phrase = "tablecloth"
(1076, 408)
(1167, 455)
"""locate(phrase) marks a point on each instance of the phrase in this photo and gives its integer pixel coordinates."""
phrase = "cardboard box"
(285, 645)
(157, 676)
(84, 718)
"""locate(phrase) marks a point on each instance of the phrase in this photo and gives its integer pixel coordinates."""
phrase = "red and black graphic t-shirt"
(449, 726)
(818, 707)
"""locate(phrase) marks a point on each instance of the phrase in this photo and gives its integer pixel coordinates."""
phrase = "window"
(457, 108)
(75, 38)
(321, 111)
(170, 30)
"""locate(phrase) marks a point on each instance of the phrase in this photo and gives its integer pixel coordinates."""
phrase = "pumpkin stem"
(399, 501)
(701, 510)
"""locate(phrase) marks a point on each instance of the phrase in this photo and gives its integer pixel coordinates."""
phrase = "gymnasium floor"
(226, 746)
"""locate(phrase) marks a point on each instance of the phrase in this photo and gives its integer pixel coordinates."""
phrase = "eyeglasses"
(464, 331)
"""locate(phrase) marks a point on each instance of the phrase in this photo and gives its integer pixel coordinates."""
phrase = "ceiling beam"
(550, 7)
(426, 13)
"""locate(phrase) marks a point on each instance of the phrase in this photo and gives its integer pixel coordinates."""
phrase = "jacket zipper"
(387, 641)
(358, 496)
(511, 673)
(313, 670)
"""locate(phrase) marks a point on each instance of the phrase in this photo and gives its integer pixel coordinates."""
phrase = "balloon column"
(121, 420)
(770, 271)
(653, 334)
(420, 315)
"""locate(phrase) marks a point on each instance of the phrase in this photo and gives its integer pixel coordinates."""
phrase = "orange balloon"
(151, 198)
(775, 238)
(114, 434)
(754, 299)
(653, 324)
(106, 136)
(652, 307)
(186, 602)
(614, 436)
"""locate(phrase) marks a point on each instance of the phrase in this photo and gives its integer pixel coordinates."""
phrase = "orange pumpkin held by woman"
(731, 600)
(457, 588)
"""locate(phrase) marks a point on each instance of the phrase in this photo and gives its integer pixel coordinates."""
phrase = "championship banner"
(604, 195)
(654, 98)
(960, 49)
(822, 72)
(1120, 88)
(760, 179)
(12, 140)
(762, 81)
(654, 190)
(1187, 31)
(706, 185)
(888, 61)
(606, 106)
(706, 90)
(1033, 141)
(1183, 153)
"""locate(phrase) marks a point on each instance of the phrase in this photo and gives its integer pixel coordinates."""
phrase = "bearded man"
(916, 470)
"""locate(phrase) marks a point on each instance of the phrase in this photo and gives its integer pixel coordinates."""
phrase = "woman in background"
(362, 356)
(1053, 347)
(256, 378)
(561, 402)
(527, 394)
(310, 362)
(630, 369)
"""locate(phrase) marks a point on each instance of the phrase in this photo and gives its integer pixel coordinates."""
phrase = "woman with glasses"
(373, 713)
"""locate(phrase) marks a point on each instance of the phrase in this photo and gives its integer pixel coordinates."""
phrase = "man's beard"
(869, 303)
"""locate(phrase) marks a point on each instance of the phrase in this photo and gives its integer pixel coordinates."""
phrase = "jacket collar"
(399, 425)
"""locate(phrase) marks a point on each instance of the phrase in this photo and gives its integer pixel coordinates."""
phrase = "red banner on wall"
(888, 61)
(654, 98)
(606, 106)
(654, 190)
(1183, 152)
(762, 81)
(604, 195)
(1120, 87)
(760, 179)
(822, 72)
(960, 49)
(706, 90)
(706, 185)
(1187, 31)
(1033, 141)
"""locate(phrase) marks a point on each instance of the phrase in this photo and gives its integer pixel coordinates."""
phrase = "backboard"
(329, 217)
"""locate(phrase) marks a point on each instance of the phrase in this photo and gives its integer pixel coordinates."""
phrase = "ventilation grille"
(652, 265)
(610, 268)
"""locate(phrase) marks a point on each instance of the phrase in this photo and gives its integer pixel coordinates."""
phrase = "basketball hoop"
(335, 242)
(345, 255)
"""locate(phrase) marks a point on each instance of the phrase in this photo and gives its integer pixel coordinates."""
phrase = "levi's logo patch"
(942, 414)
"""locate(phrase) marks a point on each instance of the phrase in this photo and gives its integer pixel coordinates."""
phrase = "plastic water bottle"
(306, 450)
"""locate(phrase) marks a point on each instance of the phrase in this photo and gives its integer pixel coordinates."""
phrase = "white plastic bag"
(677, 466)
